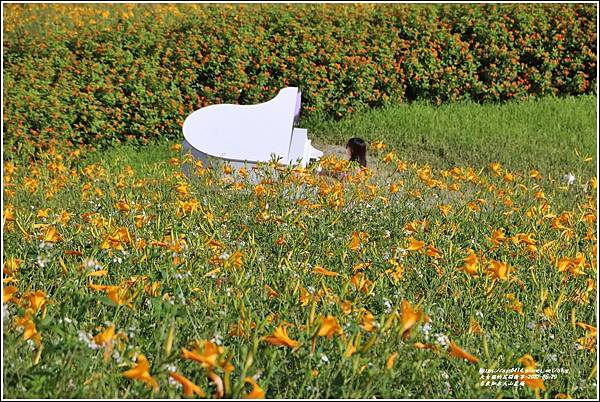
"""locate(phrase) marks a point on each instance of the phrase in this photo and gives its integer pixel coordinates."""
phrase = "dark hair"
(358, 150)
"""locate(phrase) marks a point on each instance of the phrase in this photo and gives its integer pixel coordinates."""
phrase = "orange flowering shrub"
(100, 74)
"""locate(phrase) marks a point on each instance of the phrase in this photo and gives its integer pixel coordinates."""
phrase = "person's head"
(357, 150)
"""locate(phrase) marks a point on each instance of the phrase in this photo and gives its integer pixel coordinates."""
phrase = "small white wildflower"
(117, 356)
(388, 306)
(118, 260)
(46, 246)
(442, 339)
(217, 339)
(552, 357)
(425, 329)
(224, 256)
(42, 261)
(5, 312)
(324, 358)
(570, 178)
(174, 383)
(131, 332)
(171, 368)
(479, 314)
(91, 264)
(87, 338)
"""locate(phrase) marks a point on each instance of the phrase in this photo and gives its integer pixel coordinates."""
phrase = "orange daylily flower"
(43, 213)
(530, 379)
(528, 362)
(433, 252)
(420, 345)
(350, 348)
(208, 358)
(257, 392)
(589, 340)
(51, 235)
(271, 292)
(391, 360)
(368, 322)
(304, 297)
(496, 167)
(320, 270)
(516, 304)
(415, 245)
(189, 388)
(563, 263)
(105, 338)
(475, 327)
(471, 264)
(281, 338)
(412, 227)
(498, 237)
(11, 266)
(117, 294)
(123, 206)
(29, 328)
(458, 352)
(358, 238)
(329, 327)
(409, 317)
(36, 299)
(116, 240)
(141, 372)
(9, 292)
(361, 282)
(499, 270)
(445, 209)
(346, 307)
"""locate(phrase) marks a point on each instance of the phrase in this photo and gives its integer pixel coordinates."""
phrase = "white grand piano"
(242, 135)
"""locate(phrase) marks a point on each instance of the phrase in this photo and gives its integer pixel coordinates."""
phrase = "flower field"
(400, 281)
(459, 263)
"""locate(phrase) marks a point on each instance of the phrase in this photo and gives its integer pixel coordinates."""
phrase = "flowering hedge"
(100, 74)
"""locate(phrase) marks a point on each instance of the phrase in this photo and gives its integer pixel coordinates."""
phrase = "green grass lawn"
(372, 276)
(552, 135)
(542, 134)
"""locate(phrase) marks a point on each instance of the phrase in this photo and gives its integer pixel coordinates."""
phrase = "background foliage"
(99, 74)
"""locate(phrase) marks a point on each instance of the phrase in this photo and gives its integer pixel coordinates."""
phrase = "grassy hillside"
(122, 279)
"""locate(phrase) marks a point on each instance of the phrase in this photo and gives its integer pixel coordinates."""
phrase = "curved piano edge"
(281, 94)
(309, 153)
(210, 161)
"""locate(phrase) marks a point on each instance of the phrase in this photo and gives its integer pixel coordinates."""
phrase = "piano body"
(242, 135)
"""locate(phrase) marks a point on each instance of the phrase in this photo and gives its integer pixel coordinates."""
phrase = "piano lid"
(245, 132)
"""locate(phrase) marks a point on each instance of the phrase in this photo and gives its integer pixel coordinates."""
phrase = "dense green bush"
(100, 74)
